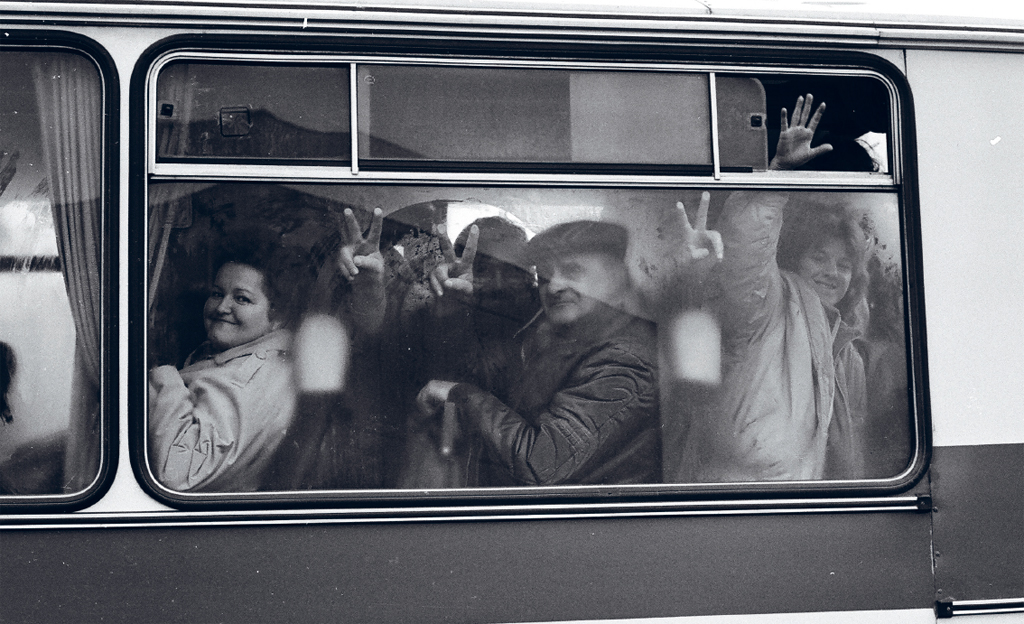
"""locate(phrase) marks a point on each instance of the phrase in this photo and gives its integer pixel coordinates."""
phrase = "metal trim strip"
(952, 608)
(559, 511)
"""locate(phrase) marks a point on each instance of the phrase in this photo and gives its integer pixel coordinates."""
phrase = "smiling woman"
(238, 309)
(216, 423)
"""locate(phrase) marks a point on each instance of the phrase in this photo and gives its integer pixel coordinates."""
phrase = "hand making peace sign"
(358, 252)
(455, 273)
(700, 242)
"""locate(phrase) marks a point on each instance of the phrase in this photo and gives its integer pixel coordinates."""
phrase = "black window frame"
(901, 181)
(109, 339)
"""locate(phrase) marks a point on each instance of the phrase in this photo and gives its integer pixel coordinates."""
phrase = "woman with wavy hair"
(790, 296)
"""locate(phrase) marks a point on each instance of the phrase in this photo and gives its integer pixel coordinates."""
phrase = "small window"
(857, 122)
(239, 112)
(530, 116)
(51, 271)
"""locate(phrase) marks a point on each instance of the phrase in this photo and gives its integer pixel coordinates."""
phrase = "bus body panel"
(158, 565)
(970, 150)
(520, 570)
(978, 521)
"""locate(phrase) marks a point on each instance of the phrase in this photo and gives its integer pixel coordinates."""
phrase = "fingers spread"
(446, 244)
(353, 232)
(808, 105)
(437, 279)
(702, 211)
(716, 243)
(375, 228)
(347, 264)
(459, 285)
(817, 117)
(686, 218)
(373, 263)
(469, 253)
(824, 148)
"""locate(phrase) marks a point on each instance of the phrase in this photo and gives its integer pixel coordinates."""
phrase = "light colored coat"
(771, 416)
(215, 424)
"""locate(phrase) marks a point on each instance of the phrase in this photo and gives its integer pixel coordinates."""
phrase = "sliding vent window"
(51, 272)
(856, 122)
(230, 112)
(534, 118)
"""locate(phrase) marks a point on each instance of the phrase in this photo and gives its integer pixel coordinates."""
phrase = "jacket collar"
(592, 329)
(278, 340)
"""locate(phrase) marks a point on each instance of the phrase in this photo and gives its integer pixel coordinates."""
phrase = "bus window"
(463, 114)
(233, 111)
(444, 315)
(51, 116)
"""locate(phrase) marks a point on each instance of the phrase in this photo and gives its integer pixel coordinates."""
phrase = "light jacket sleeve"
(749, 282)
(194, 431)
(217, 427)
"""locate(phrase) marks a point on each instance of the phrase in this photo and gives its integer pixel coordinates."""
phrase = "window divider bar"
(713, 95)
(353, 118)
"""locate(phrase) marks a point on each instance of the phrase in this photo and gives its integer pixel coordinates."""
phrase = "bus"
(511, 311)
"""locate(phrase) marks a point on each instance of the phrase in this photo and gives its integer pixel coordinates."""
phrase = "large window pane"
(50, 202)
(234, 111)
(638, 366)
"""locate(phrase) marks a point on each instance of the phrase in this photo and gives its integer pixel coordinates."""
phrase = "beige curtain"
(70, 99)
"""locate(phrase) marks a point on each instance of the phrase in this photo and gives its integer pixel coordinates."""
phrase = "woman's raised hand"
(794, 147)
(358, 252)
(700, 242)
(455, 273)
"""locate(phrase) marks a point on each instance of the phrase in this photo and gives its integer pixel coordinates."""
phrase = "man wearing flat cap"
(585, 410)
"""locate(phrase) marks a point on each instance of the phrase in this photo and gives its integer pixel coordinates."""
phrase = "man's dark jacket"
(584, 412)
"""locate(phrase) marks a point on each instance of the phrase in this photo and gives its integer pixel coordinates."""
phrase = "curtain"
(70, 100)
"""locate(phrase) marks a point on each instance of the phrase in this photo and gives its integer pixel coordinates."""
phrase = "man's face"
(500, 287)
(576, 285)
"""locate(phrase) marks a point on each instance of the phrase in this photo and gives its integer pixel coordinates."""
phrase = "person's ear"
(276, 322)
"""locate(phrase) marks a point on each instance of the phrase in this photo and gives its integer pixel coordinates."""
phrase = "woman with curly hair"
(790, 296)
(214, 425)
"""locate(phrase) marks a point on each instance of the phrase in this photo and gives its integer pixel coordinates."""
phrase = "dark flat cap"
(578, 237)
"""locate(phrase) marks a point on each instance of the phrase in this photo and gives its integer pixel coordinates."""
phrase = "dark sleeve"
(606, 400)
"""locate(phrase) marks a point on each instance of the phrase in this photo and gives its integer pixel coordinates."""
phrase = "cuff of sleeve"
(460, 393)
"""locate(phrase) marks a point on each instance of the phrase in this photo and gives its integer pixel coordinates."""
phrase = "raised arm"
(749, 281)
(362, 264)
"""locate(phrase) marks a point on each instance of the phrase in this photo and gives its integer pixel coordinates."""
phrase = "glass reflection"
(51, 116)
(282, 112)
(481, 339)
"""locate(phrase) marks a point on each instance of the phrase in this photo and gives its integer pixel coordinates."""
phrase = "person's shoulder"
(633, 341)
